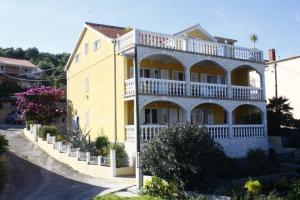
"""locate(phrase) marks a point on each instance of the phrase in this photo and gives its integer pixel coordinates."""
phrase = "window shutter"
(160, 116)
(131, 72)
(182, 118)
(152, 73)
(173, 115)
(203, 78)
(175, 75)
(210, 117)
(194, 77)
(164, 74)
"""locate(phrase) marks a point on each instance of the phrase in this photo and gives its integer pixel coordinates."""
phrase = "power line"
(30, 80)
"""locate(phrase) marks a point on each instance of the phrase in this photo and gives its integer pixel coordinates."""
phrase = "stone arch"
(208, 60)
(246, 67)
(248, 113)
(164, 53)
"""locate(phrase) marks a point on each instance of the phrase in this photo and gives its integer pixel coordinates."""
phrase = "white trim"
(201, 29)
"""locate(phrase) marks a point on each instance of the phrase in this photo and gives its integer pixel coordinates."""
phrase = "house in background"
(19, 71)
(288, 78)
(189, 76)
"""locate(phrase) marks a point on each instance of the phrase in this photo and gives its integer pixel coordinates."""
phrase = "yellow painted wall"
(197, 34)
(99, 101)
(129, 109)
(210, 69)
(146, 63)
(218, 112)
(240, 77)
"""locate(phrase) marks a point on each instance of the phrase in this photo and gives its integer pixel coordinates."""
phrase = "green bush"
(186, 155)
(159, 187)
(295, 193)
(282, 185)
(80, 139)
(272, 155)
(47, 129)
(3, 144)
(102, 145)
(257, 162)
(253, 187)
(120, 152)
(59, 137)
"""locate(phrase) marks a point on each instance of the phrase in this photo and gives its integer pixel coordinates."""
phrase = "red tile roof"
(109, 31)
(16, 62)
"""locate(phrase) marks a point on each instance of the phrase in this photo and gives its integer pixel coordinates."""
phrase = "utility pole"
(138, 169)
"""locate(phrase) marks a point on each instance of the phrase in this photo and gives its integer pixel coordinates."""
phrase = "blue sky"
(54, 25)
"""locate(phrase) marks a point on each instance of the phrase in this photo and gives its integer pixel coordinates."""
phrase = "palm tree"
(253, 38)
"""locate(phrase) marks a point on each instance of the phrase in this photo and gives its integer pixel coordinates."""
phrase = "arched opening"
(247, 114)
(246, 76)
(162, 112)
(208, 72)
(209, 114)
(159, 66)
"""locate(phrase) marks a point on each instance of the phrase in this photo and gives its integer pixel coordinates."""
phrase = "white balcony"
(148, 132)
(181, 43)
(208, 90)
(249, 93)
(179, 88)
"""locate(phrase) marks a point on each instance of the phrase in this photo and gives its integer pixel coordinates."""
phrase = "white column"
(188, 116)
(228, 82)
(263, 86)
(229, 122)
(188, 81)
(113, 162)
(265, 122)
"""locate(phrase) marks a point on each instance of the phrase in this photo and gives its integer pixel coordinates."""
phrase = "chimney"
(272, 55)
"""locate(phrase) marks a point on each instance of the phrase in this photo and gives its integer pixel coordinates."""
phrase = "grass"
(114, 197)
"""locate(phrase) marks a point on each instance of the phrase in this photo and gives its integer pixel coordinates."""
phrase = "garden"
(42, 105)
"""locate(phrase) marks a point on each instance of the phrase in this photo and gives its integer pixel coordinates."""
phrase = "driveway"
(35, 175)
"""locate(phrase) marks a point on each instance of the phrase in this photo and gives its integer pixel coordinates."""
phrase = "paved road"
(36, 176)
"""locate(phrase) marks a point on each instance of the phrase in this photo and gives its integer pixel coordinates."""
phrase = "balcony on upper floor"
(186, 44)
(164, 75)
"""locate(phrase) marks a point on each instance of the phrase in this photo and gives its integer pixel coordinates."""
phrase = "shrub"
(80, 139)
(159, 187)
(3, 144)
(52, 130)
(257, 163)
(59, 137)
(186, 155)
(102, 145)
(253, 187)
(281, 185)
(295, 193)
(120, 152)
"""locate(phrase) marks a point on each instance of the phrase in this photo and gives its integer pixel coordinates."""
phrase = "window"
(151, 116)
(202, 116)
(86, 48)
(179, 76)
(86, 84)
(96, 45)
(87, 118)
(145, 73)
(77, 58)
(161, 115)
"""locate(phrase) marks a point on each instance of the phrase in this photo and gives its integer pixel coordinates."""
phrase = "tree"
(186, 155)
(41, 104)
(9, 88)
(3, 144)
(280, 113)
(253, 38)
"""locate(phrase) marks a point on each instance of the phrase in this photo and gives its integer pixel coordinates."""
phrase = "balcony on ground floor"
(245, 121)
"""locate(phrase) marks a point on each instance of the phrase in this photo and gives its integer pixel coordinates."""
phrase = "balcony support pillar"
(263, 87)
(228, 83)
(229, 122)
(189, 116)
(188, 82)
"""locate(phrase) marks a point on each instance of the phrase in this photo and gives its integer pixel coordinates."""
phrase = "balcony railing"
(181, 43)
(179, 88)
(242, 92)
(148, 132)
(248, 131)
(208, 90)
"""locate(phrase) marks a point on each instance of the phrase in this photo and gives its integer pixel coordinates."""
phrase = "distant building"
(20, 71)
(288, 79)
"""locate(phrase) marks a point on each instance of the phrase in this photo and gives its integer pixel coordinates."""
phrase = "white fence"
(82, 161)
(208, 90)
(242, 92)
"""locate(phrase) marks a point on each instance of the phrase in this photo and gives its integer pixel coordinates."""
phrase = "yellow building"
(189, 76)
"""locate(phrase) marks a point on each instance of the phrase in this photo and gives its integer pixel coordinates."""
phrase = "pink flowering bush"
(41, 104)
